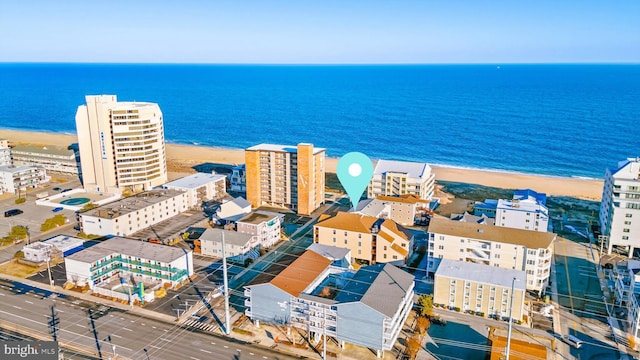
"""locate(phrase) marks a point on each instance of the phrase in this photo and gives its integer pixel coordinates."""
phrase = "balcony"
(247, 302)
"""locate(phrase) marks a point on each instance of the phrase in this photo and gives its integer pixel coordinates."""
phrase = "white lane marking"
(29, 302)
(1, 294)
(212, 343)
(194, 358)
(207, 351)
(154, 327)
(124, 328)
(60, 310)
(132, 320)
(163, 339)
(153, 346)
(251, 354)
(116, 335)
(82, 326)
(226, 347)
(17, 307)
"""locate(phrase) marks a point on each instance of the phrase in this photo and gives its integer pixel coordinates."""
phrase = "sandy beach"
(181, 158)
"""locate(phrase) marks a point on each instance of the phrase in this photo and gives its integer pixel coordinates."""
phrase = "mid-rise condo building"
(509, 248)
(371, 240)
(121, 145)
(620, 206)
(134, 213)
(289, 176)
(395, 178)
(481, 289)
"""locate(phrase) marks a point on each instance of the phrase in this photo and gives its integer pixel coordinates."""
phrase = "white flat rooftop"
(194, 181)
(282, 148)
(15, 169)
(484, 274)
(412, 169)
(64, 243)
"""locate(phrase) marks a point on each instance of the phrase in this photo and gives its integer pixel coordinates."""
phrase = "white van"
(573, 341)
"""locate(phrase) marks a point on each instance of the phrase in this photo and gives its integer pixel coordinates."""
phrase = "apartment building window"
(440, 247)
(461, 240)
(384, 256)
(531, 262)
(345, 241)
(461, 250)
(497, 256)
(334, 240)
(627, 222)
(527, 220)
(359, 236)
(628, 215)
(359, 244)
(497, 246)
(441, 237)
(529, 272)
(385, 247)
(625, 230)
(345, 233)
(334, 232)
(625, 238)
(395, 257)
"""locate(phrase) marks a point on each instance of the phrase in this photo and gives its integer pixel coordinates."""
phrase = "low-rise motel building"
(480, 289)
(52, 158)
(371, 240)
(129, 215)
(16, 178)
(200, 187)
(395, 178)
(366, 308)
(119, 260)
(508, 248)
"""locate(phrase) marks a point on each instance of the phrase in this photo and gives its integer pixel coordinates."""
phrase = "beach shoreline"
(183, 157)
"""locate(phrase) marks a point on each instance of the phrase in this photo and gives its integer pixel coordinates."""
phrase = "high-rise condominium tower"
(121, 144)
(291, 176)
(620, 206)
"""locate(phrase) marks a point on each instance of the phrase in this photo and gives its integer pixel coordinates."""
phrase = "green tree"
(18, 232)
(413, 346)
(425, 303)
(422, 325)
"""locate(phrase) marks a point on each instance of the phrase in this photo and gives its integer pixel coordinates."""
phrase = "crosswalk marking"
(199, 325)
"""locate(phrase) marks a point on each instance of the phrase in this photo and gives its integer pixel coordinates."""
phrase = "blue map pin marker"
(355, 170)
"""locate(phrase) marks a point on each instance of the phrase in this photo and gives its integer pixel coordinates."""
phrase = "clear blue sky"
(321, 31)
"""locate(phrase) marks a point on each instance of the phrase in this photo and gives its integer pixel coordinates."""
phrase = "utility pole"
(53, 323)
(227, 321)
(51, 283)
(513, 282)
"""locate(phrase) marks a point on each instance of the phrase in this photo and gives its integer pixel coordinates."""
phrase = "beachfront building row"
(623, 278)
(620, 207)
(527, 210)
(371, 240)
(395, 178)
(131, 214)
(51, 158)
(21, 178)
(287, 176)
(480, 289)
(365, 308)
(406, 209)
(508, 248)
(121, 145)
(200, 187)
(105, 266)
(5, 152)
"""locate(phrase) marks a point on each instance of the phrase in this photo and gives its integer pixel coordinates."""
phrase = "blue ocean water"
(562, 120)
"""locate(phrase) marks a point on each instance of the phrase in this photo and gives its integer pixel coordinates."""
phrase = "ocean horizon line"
(302, 64)
(436, 165)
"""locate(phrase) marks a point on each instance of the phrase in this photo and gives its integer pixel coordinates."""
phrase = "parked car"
(13, 212)
(57, 209)
(56, 189)
(65, 190)
(437, 320)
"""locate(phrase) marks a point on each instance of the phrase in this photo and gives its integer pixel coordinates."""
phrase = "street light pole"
(513, 282)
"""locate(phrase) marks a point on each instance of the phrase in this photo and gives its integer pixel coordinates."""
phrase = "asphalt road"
(129, 336)
(582, 311)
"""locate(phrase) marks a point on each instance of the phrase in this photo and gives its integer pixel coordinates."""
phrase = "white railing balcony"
(247, 292)
(247, 302)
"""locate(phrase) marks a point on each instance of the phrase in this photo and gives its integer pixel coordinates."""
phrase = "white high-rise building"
(121, 145)
(620, 206)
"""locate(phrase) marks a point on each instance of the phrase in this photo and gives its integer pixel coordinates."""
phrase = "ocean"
(559, 120)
